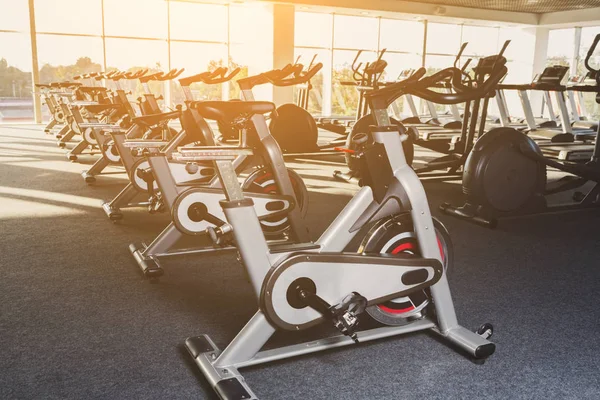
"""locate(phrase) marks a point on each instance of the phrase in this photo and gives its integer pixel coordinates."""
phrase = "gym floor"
(78, 320)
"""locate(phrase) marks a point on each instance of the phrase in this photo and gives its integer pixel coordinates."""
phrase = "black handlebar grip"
(590, 53)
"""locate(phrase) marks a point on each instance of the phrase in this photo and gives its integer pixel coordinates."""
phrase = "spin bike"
(302, 286)
(111, 145)
(280, 196)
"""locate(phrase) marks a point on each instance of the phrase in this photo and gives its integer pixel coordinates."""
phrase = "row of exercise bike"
(398, 274)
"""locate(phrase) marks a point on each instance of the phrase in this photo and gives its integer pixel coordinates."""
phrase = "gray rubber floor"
(77, 319)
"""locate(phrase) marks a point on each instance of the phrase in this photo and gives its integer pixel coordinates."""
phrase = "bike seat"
(231, 111)
(92, 89)
(65, 84)
(155, 119)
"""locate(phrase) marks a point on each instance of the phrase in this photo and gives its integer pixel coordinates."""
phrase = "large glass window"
(443, 38)
(135, 54)
(345, 96)
(197, 58)
(483, 41)
(14, 15)
(398, 35)
(69, 16)
(313, 30)
(62, 57)
(355, 32)
(315, 100)
(561, 45)
(587, 38)
(136, 18)
(251, 44)
(203, 22)
(16, 103)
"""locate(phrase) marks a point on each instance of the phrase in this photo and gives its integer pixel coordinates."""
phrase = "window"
(522, 44)
(483, 41)
(561, 45)
(135, 18)
(313, 30)
(14, 15)
(355, 32)
(203, 22)
(16, 103)
(134, 54)
(315, 101)
(398, 35)
(69, 16)
(62, 57)
(344, 95)
(197, 58)
(587, 37)
(443, 38)
(251, 45)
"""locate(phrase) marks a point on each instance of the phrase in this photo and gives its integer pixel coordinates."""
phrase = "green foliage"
(344, 98)
(83, 65)
(234, 89)
(13, 81)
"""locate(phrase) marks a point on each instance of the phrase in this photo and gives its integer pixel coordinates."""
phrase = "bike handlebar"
(297, 78)
(221, 76)
(172, 74)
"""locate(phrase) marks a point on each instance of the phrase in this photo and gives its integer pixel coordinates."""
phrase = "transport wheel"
(486, 330)
(395, 235)
(263, 181)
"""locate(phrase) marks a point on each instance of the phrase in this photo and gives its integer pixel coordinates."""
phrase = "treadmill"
(556, 139)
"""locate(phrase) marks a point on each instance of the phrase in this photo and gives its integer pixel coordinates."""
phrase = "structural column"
(283, 47)
(35, 70)
(540, 56)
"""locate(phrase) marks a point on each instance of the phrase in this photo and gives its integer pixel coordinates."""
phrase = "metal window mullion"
(226, 87)
(35, 70)
(424, 56)
(90, 35)
(167, 84)
(103, 37)
(575, 56)
(328, 96)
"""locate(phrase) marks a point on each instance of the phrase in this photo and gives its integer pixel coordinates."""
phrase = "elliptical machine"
(505, 175)
(296, 130)
(302, 286)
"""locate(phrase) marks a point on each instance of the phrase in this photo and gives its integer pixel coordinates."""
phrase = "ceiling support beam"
(421, 9)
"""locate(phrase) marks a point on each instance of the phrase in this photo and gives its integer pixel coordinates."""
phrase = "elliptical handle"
(590, 53)
(460, 52)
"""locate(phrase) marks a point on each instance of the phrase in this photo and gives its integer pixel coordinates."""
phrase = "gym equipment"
(505, 175)
(194, 206)
(433, 120)
(112, 146)
(136, 164)
(47, 92)
(301, 286)
(473, 125)
(556, 130)
(296, 130)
